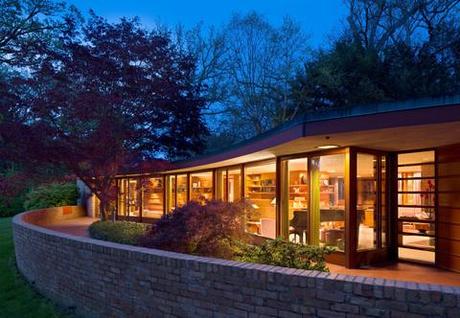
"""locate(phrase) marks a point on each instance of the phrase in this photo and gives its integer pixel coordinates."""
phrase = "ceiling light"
(327, 146)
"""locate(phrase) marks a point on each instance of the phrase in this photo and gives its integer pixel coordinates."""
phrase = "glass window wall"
(170, 193)
(366, 209)
(133, 198)
(416, 206)
(295, 199)
(328, 200)
(181, 190)
(260, 191)
(201, 187)
(122, 193)
(153, 198)
(221, 184)
(234, 184)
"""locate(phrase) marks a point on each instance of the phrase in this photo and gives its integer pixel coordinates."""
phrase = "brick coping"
(142, 253)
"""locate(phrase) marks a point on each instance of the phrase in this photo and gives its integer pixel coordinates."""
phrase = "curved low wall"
(53, 215)
(103, 279)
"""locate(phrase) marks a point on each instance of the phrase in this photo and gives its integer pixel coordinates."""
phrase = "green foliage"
(350, 74)
(51, 195)
(10, 206)
(17, 298)
(282, 253)
(123, 232)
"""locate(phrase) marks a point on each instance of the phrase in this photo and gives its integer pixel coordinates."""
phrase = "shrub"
(123, 232)
(283, 253)
(51, 195)
(213, 229)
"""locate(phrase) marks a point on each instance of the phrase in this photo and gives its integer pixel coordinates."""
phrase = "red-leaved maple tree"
(107, 96)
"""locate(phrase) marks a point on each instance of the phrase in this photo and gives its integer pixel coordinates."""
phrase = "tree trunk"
(102, 209)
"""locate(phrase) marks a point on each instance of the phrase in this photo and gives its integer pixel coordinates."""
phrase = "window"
(221, 184)
(416, 206)
(181, 190)
(153, 200)
(295, 199)
(383, 200)
(122, 192)
(228, 184)
(260, 190)
(170, 193)
(201, 187)
(366, 209)
(234, 184)
(133, 198)
(328, 200)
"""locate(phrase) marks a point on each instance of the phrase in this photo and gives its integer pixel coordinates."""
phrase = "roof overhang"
(397, 130)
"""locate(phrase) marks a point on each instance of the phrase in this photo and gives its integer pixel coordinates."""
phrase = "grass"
(17, 298)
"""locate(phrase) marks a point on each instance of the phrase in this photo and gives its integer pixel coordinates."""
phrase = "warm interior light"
(328, 146)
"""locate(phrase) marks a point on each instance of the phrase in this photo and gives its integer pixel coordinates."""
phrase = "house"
(377, 182)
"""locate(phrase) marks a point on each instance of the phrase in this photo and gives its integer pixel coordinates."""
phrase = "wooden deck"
(404, 272)
(78, 226)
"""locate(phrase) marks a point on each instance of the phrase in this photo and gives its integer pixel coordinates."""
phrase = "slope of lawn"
(17, 298)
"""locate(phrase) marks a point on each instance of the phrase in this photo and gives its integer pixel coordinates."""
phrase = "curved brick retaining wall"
(103, 279)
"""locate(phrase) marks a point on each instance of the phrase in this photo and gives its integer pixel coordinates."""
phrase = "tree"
(262, 60)
(390, 50)
(247, 66)
(346, 74)
(110, 94)
(349, 74)
(376, 24)
(27, 25)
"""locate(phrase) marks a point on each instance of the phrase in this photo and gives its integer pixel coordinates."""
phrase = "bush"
(51, 195)
(214, 229)
(123, 232)
(12, 205)
(282, 253)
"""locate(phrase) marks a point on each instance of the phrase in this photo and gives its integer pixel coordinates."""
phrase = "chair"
(298, 225)
(268, 228)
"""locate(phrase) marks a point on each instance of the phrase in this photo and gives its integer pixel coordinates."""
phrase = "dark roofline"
(346, 112)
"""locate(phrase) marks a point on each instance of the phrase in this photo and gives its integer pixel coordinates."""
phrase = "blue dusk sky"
(318, 18)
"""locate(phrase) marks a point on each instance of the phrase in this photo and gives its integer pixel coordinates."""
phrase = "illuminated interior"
(366, 208)
(234, 184)
(295, 198)
(129, 203)
(181, 190)
(416, 206)
(328, 200)
(312, 199)
(170, 193)
(228, 184)
(201, 187)
(153, 198)
(221, 184)
(260, 190)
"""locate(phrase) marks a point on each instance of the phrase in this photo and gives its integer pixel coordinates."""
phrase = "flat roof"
(347, 119)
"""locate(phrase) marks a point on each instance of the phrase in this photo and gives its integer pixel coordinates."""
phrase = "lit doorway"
(417, 206)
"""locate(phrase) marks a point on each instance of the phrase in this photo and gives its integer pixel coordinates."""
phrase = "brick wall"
(53, 215)
(103, 279)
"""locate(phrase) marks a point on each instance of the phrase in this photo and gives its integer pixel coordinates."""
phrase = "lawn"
(17, 298)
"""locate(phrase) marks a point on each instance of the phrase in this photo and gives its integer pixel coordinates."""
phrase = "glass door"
(133, 199)
(417, 206)
(327, 217)
(368, 215)
(295, 198)
(313, 200)
(367, 200)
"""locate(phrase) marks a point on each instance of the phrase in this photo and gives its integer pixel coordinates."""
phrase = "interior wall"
(448, 248)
